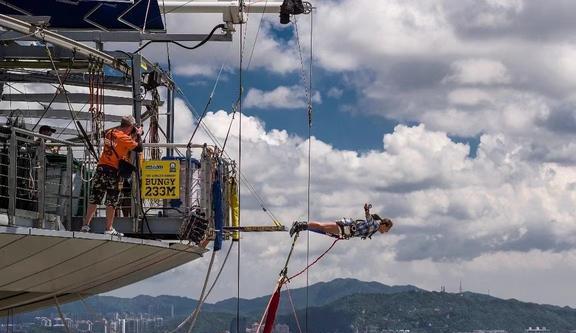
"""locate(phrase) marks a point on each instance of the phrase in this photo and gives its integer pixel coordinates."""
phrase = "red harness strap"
(315, 261)
(272, 309)
(274, 301)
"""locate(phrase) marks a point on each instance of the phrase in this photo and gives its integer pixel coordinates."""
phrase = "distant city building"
(537, 329)
(84, 326)
(251, 329)
(486, 331)
(234, 326)
(132, 326)
(12, 328)
(372, 329)
(101, 326)
(151, 325)
(121, 326)
(43, 321)
(281, 328)
(57, 322)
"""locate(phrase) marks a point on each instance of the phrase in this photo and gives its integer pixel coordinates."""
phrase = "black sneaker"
(297, 227)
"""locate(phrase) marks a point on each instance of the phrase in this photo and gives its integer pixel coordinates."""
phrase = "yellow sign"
(161, 179)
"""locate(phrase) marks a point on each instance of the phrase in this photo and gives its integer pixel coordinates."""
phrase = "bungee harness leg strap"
(270, 313)
(272, 309)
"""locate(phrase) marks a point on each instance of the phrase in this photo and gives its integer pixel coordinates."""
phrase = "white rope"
(203, 300)
(204, 296)
(201, 295)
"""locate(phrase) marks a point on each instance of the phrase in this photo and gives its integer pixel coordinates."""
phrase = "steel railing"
(48, 180)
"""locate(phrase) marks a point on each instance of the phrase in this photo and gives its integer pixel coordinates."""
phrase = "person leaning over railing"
(118, 143)
(48, 131)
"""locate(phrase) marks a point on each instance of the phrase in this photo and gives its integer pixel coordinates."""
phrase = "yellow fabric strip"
(233, 202)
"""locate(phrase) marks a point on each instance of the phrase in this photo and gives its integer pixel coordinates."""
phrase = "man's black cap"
(46, 128)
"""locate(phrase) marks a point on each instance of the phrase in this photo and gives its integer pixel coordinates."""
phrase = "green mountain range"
(319, 294)
(348, 305)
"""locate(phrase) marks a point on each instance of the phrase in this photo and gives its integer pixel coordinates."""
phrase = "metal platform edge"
(176, 246)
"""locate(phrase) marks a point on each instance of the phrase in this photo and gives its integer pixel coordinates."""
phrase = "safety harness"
(348, 230)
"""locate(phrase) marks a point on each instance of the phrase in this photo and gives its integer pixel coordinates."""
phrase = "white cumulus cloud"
(282, 97)
(478, 71)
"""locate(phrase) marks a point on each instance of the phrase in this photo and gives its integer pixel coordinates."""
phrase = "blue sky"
(332, 122)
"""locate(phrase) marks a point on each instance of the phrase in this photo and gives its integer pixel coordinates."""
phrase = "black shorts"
(106, 182)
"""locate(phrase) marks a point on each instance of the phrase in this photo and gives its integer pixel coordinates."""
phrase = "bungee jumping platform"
(39, 267)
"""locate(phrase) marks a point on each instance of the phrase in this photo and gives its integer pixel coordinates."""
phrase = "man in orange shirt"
(118, 143)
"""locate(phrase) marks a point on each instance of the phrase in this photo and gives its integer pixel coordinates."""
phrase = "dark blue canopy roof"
(90, 14)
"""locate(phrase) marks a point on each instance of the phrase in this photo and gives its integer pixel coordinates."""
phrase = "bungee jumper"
(344, 229)
(347, 227)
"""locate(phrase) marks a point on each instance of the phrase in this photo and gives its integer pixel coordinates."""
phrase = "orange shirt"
(122, 143)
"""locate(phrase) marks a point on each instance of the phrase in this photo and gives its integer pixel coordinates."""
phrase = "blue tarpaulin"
(218, 211)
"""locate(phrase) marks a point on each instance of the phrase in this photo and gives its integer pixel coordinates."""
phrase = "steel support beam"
(122, 36)
(73, 98)
(137, 101)
(16, 51)
(12, 23)
(186, 6)
(54, 114)
(41, 183)
(170, 120)
(43, 64)
(79, 80)
(70, 130)
(12, 178)
(69, 181)
(257, 228)
(137, 113)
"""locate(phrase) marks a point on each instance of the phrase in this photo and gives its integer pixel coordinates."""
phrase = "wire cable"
(309, 160)
(70, 108)
(194, 314)
(240, 78)
(146, 16)
(194, 318)
(156, 18)
(315, 261)
(206, 106)
(60, 85)
(213, 138)
(234, 108)
(16, 38)
(256, 37)
(293, 308)
(204, 41)
(61, 315)
(308, 89)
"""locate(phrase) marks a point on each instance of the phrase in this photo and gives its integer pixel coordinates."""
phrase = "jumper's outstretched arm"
(367, 211)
